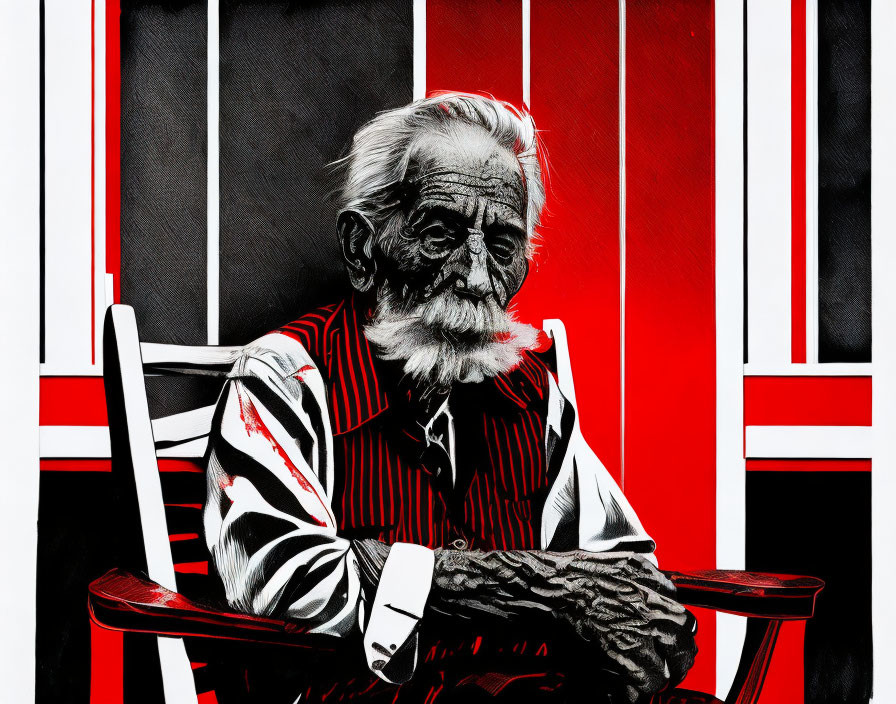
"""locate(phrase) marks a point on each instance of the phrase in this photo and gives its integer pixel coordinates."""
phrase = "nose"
(477, 284)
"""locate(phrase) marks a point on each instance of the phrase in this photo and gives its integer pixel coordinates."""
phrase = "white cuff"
(390, 640)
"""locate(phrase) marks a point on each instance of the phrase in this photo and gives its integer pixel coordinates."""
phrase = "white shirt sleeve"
(585, 508)
(268, 520)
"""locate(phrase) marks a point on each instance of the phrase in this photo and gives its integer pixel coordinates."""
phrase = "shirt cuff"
(390, 640)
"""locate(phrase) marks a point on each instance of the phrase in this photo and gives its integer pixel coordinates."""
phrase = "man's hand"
(618, 601)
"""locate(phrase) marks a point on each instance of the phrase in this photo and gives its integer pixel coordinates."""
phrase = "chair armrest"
(757, 594)
(123, 601)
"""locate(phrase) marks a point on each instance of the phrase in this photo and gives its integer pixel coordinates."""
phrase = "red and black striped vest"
(383, 487)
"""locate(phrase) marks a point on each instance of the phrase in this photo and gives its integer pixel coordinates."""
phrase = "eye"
(439, 237)
(503, 246)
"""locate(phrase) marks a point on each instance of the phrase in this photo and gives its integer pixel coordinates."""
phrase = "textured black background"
(163, 168)
(819, 523)
(297, 80)
(844, 181)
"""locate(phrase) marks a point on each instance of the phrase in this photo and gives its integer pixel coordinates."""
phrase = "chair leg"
(754, 661)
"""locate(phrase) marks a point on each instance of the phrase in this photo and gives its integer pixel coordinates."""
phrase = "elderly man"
(402, 464)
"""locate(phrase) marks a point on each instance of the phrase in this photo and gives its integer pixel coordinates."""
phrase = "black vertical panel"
(297, 79)
(163, 168)
(844, 180)
(82, 533)
(819, 524)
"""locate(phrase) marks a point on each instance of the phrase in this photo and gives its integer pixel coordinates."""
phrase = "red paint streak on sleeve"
(253, 424)
(300, 374)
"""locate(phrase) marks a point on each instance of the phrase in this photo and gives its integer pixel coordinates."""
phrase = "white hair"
(378, 159)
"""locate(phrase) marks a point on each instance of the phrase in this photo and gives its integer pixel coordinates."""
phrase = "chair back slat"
(190, 360)
(182, 427)
(192, 449)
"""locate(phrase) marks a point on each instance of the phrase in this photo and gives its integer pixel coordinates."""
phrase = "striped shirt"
(311, 449)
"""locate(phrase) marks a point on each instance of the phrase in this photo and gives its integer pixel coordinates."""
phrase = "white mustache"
(448, 339)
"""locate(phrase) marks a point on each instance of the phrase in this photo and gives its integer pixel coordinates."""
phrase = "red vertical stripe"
(798, 181)
(400, 532)
(380, 468)
(368, 390)
(113, 145)
(392, 498)
(429, 506)
(784, 683)
(352, 483)
(475, 46)
(502, 448)
(351, 361)
(415, 478)
(670, 432)
(526, 464)
(575, 275)
(106, 665)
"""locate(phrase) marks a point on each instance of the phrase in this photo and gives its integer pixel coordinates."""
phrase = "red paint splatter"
(253, 424)
(300, 374)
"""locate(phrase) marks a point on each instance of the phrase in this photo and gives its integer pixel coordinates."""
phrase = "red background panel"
(798, 182)
(475, 46)
(670, 433)
(807, 400)
(784, 681)
(72, 400)
(575, 276)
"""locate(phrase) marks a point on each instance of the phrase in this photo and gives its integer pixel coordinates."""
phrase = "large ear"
(356, 236)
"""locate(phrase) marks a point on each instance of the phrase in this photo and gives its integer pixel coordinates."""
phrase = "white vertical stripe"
(768, 181)
(622, 244)
(527, 52)
(883, 345)
(68, 333)
(213, 193)
(20, 293)
(99, 176)
(811, 181)
(729, 233)
(419, 10)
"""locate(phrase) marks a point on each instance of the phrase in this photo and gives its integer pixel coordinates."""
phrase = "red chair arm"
(122, 601)
(757, 594)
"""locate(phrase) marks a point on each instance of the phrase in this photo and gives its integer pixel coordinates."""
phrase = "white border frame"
(213, 207)
(883, 346)
(20, 293)
(729, 276)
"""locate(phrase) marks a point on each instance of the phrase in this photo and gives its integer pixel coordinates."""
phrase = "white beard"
(448, 339)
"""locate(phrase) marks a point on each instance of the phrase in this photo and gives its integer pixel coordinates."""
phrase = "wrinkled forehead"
(463, 165)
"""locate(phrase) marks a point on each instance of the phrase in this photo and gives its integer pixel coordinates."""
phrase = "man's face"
(463, 243)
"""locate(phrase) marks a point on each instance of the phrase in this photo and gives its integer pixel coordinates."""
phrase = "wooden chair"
(170, 601)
